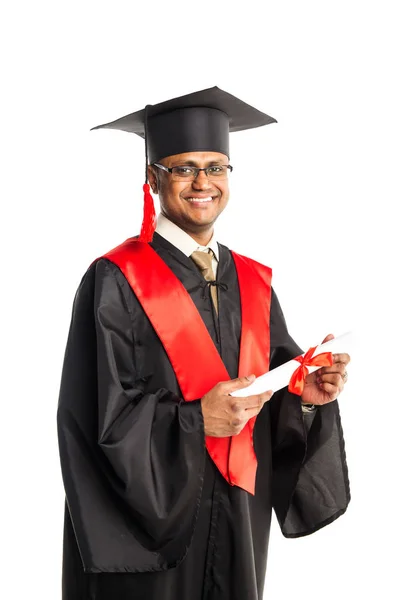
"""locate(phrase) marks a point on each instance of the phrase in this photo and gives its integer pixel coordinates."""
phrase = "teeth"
(209, 199)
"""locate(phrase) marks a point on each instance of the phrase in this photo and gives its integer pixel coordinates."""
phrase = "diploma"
(279, 378)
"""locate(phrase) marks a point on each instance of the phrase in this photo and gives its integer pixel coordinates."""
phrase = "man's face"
(192, 205)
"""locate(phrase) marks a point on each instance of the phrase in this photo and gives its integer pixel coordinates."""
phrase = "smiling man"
(195, 193)
(170, 481)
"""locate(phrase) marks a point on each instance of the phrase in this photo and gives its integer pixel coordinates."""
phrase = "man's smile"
(199, 199)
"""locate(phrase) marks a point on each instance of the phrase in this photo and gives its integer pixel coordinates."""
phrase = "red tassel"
(149, 216)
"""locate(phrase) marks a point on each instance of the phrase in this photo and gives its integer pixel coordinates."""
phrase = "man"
(170, 480)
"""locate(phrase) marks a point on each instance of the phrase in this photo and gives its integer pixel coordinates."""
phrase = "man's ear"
(152, 179)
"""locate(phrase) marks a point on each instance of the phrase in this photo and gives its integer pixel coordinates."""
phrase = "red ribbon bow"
(296, 384)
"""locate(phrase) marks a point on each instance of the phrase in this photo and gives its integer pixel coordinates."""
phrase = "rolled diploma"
(279, 378)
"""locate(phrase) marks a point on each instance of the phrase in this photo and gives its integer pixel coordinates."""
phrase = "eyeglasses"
(189, 173)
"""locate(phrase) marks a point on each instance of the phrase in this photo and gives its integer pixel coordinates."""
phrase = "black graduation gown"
(148, 515)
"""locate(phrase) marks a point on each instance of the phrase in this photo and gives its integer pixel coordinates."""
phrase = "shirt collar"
(182, 240)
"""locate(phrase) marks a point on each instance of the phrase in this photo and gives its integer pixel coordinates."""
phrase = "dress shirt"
(183, 241)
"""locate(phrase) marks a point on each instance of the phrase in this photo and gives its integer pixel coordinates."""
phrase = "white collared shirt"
(183, 241)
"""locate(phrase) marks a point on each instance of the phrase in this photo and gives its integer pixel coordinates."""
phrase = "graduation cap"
(196, 122)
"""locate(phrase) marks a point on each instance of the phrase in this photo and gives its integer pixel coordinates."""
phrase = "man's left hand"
(325, 384)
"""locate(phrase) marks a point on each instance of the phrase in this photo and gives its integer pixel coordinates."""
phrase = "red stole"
(188, 344)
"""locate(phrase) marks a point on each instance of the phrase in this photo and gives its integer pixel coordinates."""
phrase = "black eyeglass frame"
(195, 169)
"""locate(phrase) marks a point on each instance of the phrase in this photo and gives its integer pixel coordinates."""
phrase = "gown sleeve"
(132, 461)
(310, 476)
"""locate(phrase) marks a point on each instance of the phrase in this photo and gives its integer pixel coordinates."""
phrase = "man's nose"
(201, 182)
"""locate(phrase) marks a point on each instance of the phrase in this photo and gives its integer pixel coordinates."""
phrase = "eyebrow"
(193, 163)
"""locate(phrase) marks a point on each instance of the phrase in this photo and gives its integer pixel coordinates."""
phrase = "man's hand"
(225, 415)
(325, 384)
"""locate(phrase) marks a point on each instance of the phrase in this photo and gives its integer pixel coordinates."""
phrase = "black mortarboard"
(196, 122)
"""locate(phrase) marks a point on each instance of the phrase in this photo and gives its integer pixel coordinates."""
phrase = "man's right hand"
(225, 415)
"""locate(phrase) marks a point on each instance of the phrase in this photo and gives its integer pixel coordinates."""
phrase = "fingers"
(339, 368)
(341, 358)
(340, 361)
(327, 338)
(250, 413)
(236, 384)
(259, 399)
(226, 415)
(333, 383)
(337, 358)
(250, 402)
(330, 389)
(335, 375)
(243, 409)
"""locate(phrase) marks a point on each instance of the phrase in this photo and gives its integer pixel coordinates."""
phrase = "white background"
(312, 196)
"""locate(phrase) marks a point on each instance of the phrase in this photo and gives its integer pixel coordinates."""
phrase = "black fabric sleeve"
(132, 461)
(310, 476)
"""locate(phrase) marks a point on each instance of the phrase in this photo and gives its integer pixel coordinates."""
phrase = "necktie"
(204, 262)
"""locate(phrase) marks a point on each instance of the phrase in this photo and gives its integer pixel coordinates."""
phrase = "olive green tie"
(203, 260)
